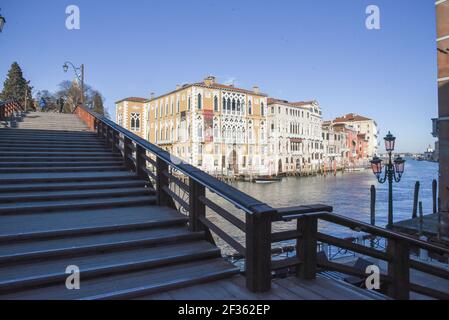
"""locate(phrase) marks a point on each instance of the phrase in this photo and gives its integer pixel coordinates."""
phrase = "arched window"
(229, 104)
(177, 107)
(250, 107)
(135, 121)
(223, 106)
(200, 131)
(200, 102)
(233, 105)
(262, 109)
(189, 103)
(215, 103)
(238, 106)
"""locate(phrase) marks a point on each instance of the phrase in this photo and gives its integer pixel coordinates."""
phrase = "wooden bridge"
(79, 190)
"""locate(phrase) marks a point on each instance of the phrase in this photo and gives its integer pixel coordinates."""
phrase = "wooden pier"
(138, 225)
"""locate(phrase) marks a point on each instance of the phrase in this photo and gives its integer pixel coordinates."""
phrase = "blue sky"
(295, 50)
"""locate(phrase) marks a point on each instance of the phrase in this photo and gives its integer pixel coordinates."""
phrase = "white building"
(294, 136)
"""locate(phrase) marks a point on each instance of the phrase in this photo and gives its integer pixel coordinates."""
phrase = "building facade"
(130, 113)
(368, 131)
(294, 136)
(218, 128)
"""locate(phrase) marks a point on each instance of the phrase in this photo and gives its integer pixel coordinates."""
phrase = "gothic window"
(229, 104)
(250, 108)
(223, 106)
(233, 105)
(120, 119)
(215, 103)
(177, 106)
(200, 131)
(262, 109)
(135, 121)
(238, 106)
(189, 103)
(200, 102)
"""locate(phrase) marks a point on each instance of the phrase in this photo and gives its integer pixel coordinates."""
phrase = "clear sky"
(294, 50)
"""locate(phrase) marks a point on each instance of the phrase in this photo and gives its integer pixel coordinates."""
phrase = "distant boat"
(266, 180)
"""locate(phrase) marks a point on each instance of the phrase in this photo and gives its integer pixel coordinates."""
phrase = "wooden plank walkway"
(290, 288)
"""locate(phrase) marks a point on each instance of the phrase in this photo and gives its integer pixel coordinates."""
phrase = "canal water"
(348, 193)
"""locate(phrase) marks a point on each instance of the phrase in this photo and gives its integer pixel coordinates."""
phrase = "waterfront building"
(219, 128)
(368, 131)
(294, 136)
(335, 146)
(130, 113)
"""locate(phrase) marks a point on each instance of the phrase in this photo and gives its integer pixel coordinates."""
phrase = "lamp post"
(393, 172)
(2, 22)
(79, 72)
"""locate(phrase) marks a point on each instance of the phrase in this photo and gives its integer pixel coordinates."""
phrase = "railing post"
(141, 162)
(306, 247)
(258, 250)
(161, 181)
(109, 137)
(197, 209)
(127, 153)
(399, 269)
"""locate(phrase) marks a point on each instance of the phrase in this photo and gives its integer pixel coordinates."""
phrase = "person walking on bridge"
(43, 104)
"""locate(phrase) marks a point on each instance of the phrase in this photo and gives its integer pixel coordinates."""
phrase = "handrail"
(231, 194)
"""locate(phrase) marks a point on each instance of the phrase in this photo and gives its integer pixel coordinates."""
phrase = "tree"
(16, 87)
(97, 103)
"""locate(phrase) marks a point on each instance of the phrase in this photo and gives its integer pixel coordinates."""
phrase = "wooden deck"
(429, 226)
(290, 288)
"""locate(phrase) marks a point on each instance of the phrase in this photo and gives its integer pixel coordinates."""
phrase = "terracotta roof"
(134, 99)
(285, 102)
(303, 103)
(227, 87)
(351, 117)
(212, 86)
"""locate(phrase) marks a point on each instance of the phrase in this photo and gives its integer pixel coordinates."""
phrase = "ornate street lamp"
(79, 72)
(2, 22)
(393, 172)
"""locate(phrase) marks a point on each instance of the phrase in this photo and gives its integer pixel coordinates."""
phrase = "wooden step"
(51, 153)
(49, 159)
(40, 164)
(45, 206)
(95, 168)
(43, 273)
(64, 177)
(135, 284)
(53, 149)
(13, 252)
(78, 194)
(90, 185)
(88, 221)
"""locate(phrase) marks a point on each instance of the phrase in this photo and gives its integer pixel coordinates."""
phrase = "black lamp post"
(2, 22)
(393, 172)
(79, 72)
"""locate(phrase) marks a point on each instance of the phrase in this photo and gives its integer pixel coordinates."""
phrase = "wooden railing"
(194, 192)
(397, 254)
(8, 109)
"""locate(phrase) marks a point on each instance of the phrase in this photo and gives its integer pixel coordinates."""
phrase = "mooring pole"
(415, 201)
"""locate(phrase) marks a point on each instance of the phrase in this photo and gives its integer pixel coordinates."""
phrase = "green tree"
(97, 103)
(16, 86)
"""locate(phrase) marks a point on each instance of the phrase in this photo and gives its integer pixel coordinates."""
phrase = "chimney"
(210, 80)
(256, 89)
(151, 95)
(178, 86)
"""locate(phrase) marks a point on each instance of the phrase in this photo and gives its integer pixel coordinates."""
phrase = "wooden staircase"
(67, 199)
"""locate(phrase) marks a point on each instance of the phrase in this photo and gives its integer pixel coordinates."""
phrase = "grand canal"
(348, 193)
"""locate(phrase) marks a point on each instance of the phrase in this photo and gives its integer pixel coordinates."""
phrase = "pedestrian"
(43, 104)
(61, 104)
